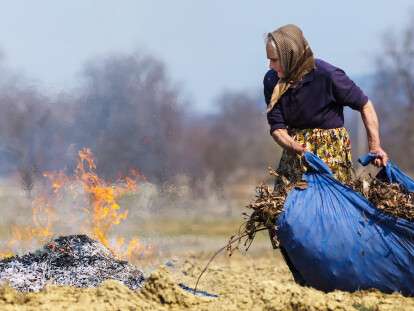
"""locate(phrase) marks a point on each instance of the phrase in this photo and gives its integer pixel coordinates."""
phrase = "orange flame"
(105, 209)
(102, 209)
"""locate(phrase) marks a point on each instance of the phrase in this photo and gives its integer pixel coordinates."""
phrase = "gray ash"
(74, 260)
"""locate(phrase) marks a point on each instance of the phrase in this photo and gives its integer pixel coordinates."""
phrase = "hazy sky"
(207, 45)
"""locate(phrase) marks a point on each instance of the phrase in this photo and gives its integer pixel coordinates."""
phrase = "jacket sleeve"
(346, 92)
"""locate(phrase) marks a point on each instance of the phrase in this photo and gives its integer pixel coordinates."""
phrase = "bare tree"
(27, 178)
(394, 92)
(235, 142)
(129, 114)
(29, 133)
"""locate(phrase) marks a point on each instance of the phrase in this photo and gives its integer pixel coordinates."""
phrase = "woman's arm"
(370, 119)
(282, 137)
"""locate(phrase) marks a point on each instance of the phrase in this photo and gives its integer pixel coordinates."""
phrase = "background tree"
(236, 143)
(394, 94)
(129, 114)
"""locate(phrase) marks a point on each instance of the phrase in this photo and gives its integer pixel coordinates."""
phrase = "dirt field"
(258, 280)
(181, 242)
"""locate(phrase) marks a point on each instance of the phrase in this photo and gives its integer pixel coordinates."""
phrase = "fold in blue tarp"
(336, 239)
(391, 173)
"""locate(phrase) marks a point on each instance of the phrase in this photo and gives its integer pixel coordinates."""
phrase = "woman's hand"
(282, 137)
(299, 149)
(382, 157)
(370, 119)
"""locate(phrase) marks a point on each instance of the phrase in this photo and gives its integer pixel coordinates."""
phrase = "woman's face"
(275, 65)
(274, 62)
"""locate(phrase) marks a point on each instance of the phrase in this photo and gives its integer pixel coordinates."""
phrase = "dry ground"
(258, 280)
(182, 239)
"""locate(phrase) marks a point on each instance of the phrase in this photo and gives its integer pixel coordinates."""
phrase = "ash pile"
(74, 260)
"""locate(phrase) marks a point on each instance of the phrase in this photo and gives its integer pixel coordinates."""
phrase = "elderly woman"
(305, 100)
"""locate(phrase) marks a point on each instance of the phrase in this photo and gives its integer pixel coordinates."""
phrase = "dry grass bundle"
(389, 198)
(266, 207)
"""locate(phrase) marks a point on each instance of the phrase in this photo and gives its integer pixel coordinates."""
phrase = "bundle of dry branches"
(389, 198)
(266, 207)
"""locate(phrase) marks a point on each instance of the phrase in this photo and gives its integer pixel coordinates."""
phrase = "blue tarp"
(390, 173)
(336, 239)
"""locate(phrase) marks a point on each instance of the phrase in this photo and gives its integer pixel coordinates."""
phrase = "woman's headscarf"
(295, 56)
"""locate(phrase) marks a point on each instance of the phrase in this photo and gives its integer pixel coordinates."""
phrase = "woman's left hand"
(369, 116)
(382, 157)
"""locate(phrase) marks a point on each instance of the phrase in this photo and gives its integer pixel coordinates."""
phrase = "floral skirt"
(333, 146)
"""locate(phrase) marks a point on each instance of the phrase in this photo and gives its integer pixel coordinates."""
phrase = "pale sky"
(207, 45)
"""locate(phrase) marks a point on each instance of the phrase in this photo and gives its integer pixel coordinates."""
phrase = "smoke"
(132, 115)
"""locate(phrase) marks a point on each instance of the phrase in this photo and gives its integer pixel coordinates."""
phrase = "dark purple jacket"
(315, 102)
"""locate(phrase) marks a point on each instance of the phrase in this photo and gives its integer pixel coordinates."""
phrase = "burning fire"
(102, 209)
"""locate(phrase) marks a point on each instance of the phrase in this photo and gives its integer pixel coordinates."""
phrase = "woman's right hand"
(299, 149)
(282, 137)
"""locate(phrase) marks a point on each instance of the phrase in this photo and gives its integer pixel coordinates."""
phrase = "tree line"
(129, 113)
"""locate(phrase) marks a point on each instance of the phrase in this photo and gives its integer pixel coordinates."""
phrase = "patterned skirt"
(333, 146)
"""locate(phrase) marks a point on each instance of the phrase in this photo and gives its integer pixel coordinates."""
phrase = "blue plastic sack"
(336, 239)
(390, 173)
